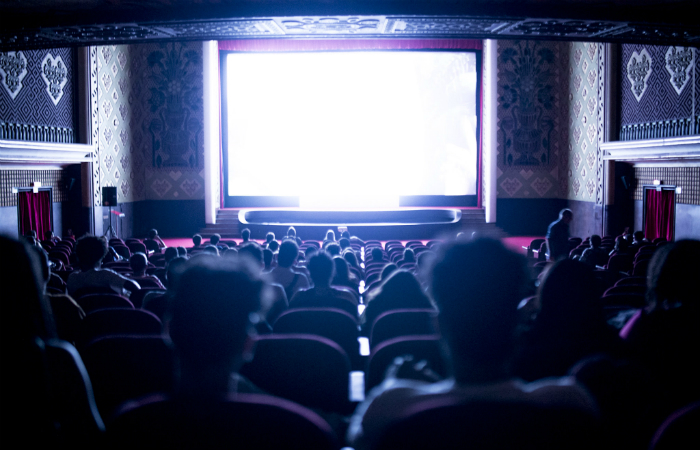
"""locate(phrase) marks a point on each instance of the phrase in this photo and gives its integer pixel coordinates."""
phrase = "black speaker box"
(109, 196)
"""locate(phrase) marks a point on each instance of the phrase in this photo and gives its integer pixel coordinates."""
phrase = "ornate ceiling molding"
(21, 152)
(664, 151)
(375, 26)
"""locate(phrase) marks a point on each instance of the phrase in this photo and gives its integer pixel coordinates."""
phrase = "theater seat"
(243, 421)
(93, 302)
(115, 321)
(401, 322)
(420, 347)
(126, 367)
(311, 370)
(334, 324)
(449, 424)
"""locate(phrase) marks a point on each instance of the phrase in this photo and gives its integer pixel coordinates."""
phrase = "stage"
(400, 223)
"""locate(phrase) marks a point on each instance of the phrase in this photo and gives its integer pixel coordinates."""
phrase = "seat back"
(246, 421)
(402, 322)
(679, 430)
(635, 281)
(116, 321)
(420, 347)
(334, 324)
(125, 367)
(449, 424)
(137, 247)
(620, 263)
(534, 245)
(93, 302)
(626, 289)
(640, 268)
(311, 370)
(630, 300)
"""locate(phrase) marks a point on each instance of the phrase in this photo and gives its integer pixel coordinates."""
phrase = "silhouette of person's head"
(321, 268)
(181, 251)
(291, 232)
(409, 255)
(211, 249)
(345, 234)
(254, 253)
(170, 253)
(377, 254)
(638, 236)
(138, 263)
(90, 251)
(269, 237)
(289, 251)
(333, 249)
(245, 234)
(273, 246)
(214, 239)
(342, 271)
(477, 286)
(388, 270)
(48, 235)
(595, 241)
(212, 307)
(568, 297)
(196, 240)
(267, 257)
(566, 215)
(351, 258)
(330, 235)
(621, 244)
(673, 279)
(344, 243)
(401, 288)
(310, 250)
(153, 233)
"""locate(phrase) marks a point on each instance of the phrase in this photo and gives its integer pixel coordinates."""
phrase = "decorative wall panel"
(531, 118)
(687, 178)
(36, 95)
(151, 120)
(659, 92)
(582, 167)
(24, 178)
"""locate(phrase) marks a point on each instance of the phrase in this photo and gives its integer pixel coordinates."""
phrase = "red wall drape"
(659, 214)
(34, 212)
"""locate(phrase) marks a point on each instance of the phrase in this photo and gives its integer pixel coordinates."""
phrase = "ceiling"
(26, 24)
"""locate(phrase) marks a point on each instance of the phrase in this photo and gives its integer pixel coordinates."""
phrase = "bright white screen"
(351, 129)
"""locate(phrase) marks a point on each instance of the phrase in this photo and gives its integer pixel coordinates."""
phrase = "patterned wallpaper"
(36, 89)
(687, 178)
(24, 178)
(581, 168)
(531, 119)
(659, 83)
(151, 120)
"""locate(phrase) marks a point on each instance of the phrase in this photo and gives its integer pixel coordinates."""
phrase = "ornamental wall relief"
(13, 68)
(679, 63)
(638, 72)
(55, 75)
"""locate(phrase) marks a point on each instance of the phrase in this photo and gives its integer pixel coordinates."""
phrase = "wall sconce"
(35, 186)
(679, 190)
(657, 182)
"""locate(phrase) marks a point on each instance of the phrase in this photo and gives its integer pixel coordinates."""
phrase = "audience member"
(333, 249)
(181, 251)
(267, 259)
(344, 243)
(323, 295)
(558, 236)
(595, 255)
(90, 251)
(477, 287)
(621, 246)
(284, 274)
(377, 255)
(638, 241)
(211, 249)
(139, 264)
(215, 240)
(197, 241)
(569, 325)
(343, 277)
(245, 234)
(330, 238)
(153, 242)
(274, 246)
(399, 290)
(269, 237)
(279, 301)
(409, 258)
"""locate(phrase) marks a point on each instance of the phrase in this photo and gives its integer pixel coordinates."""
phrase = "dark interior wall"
(528, 217)
(171, 218)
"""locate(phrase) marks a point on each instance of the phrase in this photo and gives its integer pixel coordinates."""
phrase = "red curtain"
(659, 214)
(34, 212)
(319, 45)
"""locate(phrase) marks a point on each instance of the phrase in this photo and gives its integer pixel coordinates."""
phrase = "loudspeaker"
(109, 196)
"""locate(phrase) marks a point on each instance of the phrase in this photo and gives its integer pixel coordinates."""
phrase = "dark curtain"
(659, 214)
(34, 212)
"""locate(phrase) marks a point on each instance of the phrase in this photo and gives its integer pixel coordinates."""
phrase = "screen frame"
(464, 201)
